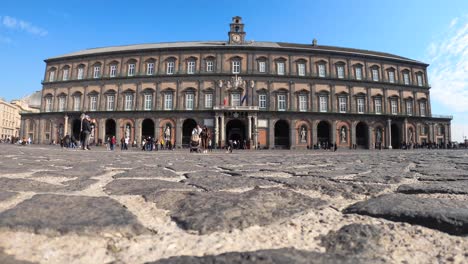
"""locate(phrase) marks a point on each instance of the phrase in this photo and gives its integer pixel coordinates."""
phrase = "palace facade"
(267, 94)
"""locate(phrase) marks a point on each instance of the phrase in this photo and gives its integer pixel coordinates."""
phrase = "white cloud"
(448, 73)
(459, 131)
(18, 24)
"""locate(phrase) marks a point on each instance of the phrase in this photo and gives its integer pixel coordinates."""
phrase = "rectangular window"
(280, 68)
(360, 105)
(61, 104)
(189, 101)
(113, 71)
(131, 69)
(168, 101)
(76, 103)
(208, 100)
(191, 67)
(281, 102)
(209, 66)
(323, 102)
(358, 73)
(128, 102)
(262, 66)
(375, 75)
(65, 74)
(235, 99)
(406, 78)
(262, 101)
(301, 69)
(148, 101)
(342, 104)
(110, 102)
(51, 76)
(236, 66)
(420, 80)
(80, 73)
(302, 102)
(340, 71)
(48, 104)
(321, 70)
(409, 107)
(93, 103)
(97, 72)
(170, 67)
(378, 105)
(394, 107)
(391, 76)
(422, 108)
(150, 68)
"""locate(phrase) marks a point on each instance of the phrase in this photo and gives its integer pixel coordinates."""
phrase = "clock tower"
(236, 32)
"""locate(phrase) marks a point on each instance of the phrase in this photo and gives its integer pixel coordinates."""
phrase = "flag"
(225, 101)
(245, 96)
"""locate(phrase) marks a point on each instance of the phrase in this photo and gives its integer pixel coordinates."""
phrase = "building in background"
(266, 94)
(9, 121)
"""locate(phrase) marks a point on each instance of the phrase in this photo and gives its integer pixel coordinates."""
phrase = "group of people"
(201, 138)
(150, 144)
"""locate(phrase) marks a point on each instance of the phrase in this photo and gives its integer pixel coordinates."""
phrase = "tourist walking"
(85, 132)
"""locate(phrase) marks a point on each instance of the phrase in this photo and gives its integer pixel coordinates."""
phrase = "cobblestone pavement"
(73, 206)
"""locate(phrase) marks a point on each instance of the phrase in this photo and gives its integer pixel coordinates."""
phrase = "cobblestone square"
(390, 206)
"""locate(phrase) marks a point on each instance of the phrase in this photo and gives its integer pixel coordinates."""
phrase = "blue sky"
(432, 31)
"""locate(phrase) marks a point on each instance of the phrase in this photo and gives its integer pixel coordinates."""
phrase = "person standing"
(113, 142)
(85, 132)
(126, 142)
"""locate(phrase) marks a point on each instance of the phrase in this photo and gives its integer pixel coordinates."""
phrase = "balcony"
(236, 108)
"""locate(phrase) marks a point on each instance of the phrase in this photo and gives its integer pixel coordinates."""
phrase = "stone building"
(9, 120)
(267, 94)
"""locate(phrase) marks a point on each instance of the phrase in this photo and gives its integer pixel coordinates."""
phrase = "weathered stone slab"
(452, 187)
(142, 187)
(223, 182)
(224, 211)
(6, 195)
(145, 172)
(269, 256)
(26, 185)
(52, 214)
(9, 259)
(449, 216)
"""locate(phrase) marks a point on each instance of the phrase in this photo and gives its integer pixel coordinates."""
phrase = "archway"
(76, 128)
(395, 136)
(110, 128)
(187, 128)
(362, 135)
(147, 128)
(323, 133)
(235, 130)
(282, 134)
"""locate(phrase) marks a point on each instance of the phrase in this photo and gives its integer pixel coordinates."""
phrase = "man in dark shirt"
(86, 131)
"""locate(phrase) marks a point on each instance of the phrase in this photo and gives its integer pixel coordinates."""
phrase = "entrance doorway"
(110, 128)
(235, 130)
(395, 136)
(76, 128)
(362, 135)
(187, 128)
(147, 128)
(323, 133)
(282, 134)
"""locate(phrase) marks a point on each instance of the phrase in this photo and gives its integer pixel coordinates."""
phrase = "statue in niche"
(220, 83)
(343, 134)
(167, 133)
(127, 131)
(252, 83)
(378, 136)
(410, 135)
(303, 135)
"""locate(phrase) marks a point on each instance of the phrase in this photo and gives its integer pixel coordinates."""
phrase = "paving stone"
(452, 187)
(224, 211)
(185, 167)
(223, 182)
(9, 259)
(26, 185)
(145, 172)
(59, 214)
(450, 216)
(269, 256)
(6, 196)
(142, 187)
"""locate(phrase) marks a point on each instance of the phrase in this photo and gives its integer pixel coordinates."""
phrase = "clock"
(236, 38)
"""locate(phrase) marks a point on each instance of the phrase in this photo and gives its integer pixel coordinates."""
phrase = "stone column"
(249, 128)
(389, 133)
(314, 133)
(102, 129)
(405, 130)
(271, 134)
(216, 130)
(333, 131)
(65, 126)
(256, 133)
(157, 129)
(292, 137)
(178, 133)
(370, 134)
(353, 133)
(446, 137)
(223, 134)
